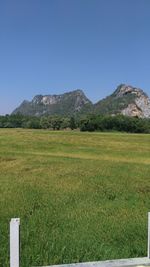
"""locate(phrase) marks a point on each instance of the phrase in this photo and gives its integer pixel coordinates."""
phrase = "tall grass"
(80, 196)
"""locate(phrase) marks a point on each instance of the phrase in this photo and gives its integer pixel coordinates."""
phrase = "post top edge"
(15, 220)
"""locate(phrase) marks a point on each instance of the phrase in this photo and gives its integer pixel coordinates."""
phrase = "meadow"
(80, 196)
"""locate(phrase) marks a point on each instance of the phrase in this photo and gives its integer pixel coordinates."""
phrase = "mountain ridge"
(126, 100)
(63, 104)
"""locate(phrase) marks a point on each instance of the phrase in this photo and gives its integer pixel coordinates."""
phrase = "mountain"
(126, 100)
(64, 104)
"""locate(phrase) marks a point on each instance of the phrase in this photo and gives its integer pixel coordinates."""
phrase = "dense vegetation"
(81, 196)
(85, 123)
(115, 123)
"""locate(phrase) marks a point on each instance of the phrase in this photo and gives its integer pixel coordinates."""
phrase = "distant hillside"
(64, 104)
(126, 100)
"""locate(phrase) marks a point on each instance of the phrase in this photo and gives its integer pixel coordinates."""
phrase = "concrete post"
(14, 242)
(148, 252)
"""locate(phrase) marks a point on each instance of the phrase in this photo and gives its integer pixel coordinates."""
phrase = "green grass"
(80, 196)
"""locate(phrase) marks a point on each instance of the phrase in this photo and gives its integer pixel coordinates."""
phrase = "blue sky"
(54, 46)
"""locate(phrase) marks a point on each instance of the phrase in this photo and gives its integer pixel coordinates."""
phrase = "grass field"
(80, 196)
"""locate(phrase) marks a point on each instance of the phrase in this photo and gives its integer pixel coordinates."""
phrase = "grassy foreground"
(80, 196)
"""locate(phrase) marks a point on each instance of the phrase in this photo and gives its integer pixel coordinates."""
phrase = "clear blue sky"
(54, 46)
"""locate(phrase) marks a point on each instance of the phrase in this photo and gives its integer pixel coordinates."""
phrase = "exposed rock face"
(132, 110)
(47, 99)
(64, 104)
(141, 103)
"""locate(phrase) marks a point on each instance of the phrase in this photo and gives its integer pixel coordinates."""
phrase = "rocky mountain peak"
(124, 89)
(138, 101)
(54, 99)
(126, 100)
(63, 104)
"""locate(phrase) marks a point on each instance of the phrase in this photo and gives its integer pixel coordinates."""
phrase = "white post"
(14, 242)
(148, 235)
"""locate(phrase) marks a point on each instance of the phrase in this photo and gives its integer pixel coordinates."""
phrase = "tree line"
(32, 122)
(84, 123)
